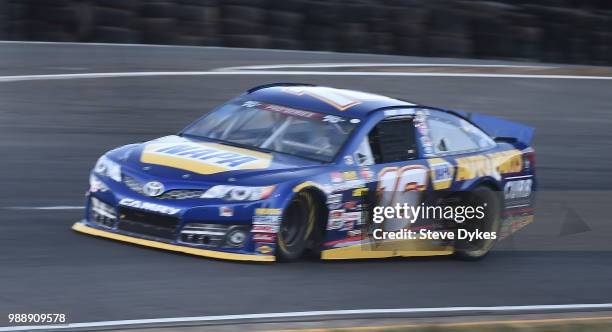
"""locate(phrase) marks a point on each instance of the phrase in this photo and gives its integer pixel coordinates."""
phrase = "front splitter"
(83, 228)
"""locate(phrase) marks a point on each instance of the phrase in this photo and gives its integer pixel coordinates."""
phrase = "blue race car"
(288, 168)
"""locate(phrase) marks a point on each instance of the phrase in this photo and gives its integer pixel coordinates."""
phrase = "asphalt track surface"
(52, 131)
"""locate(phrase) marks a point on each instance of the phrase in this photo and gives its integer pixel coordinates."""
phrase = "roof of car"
(341, 102)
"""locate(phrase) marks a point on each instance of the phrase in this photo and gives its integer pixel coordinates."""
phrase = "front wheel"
(478, 248)
(296, 226)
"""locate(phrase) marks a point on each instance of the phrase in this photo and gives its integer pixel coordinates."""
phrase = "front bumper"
(84, 228)
(211, 228)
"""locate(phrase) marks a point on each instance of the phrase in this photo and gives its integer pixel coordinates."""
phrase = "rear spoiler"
(500, 129)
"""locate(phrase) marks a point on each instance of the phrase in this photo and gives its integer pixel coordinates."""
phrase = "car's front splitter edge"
(358, 252)
(83, 228)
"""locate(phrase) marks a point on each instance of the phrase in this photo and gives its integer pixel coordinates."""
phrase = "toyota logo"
(153, 188)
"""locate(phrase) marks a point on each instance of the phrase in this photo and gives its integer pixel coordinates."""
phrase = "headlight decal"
(239, 193)
(106, 167)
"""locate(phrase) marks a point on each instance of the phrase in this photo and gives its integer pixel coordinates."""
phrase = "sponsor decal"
(349, 160)
(354, 233)
(397, 112)
(517, 189)
(349, 176)
(360, 192)
(441, 173)
(348, 185)
(352, 216)
(204, 158)
(333, 119)
(496, 163)
(421, 126)
(334, 224)
(266, 220)
(336, 213)
(425, 141)
(264, 237)
(335, 220)
(348, 225)
(267, 211)
(334, 201)
(423, 129)
(334, 206)
(226, 211)
(366, 173)
(291, 111)
(264, 229)
(336, 177)
(350, 220)
(149, 206)
(350, 205)
(264, 248)
(334, 198)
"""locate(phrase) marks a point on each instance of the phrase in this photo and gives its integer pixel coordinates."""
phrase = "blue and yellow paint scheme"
(189, 167)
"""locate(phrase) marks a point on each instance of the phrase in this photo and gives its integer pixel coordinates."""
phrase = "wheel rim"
(482, 246)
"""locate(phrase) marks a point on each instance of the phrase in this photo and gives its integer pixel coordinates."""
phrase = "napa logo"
(441, 173)
(204, 158)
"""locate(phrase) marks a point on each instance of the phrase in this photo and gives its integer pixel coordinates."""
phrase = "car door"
(391, 154)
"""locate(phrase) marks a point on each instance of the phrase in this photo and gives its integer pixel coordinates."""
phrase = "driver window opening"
(393, 140)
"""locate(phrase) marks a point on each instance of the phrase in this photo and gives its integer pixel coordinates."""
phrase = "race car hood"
(181, 158)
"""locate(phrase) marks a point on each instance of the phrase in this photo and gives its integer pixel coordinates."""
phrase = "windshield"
(276, 128)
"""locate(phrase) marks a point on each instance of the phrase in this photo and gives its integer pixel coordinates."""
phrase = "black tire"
(299, 221)
(476, 250)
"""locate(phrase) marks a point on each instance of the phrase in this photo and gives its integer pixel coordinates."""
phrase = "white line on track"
(57, 207)
(302, 314)
(372, 64)
(18, 78)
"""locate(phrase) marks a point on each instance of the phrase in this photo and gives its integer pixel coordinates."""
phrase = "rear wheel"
(479, 248)
(296, 227)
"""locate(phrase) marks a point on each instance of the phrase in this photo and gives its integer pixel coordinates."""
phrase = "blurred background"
(566, 31)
